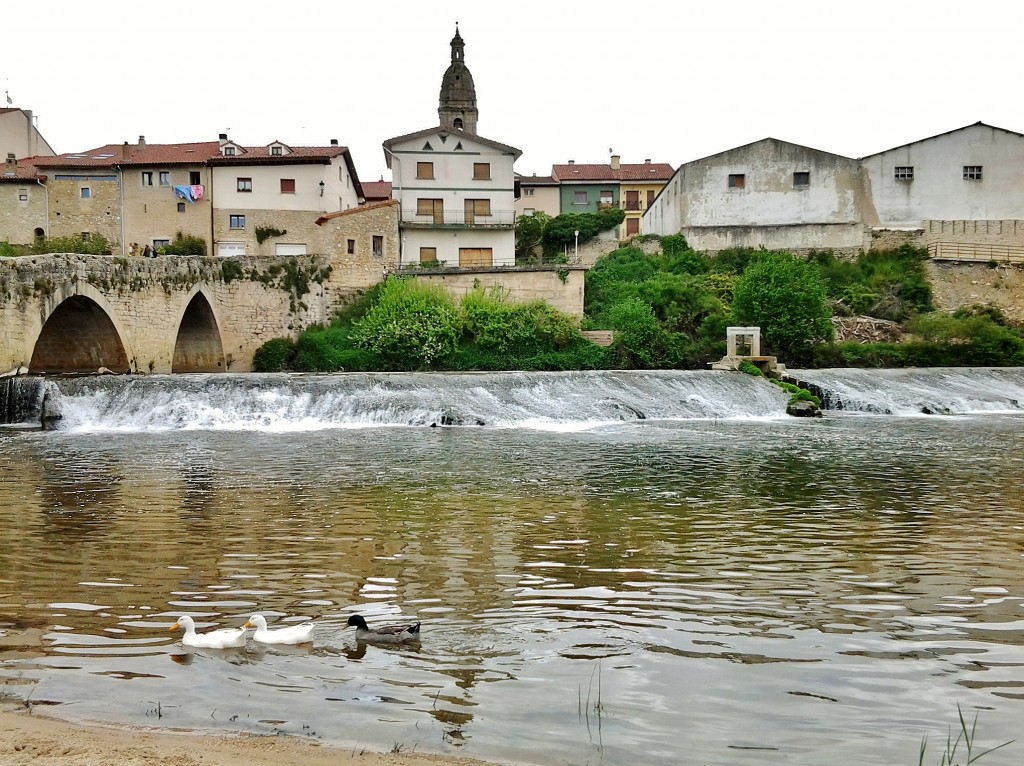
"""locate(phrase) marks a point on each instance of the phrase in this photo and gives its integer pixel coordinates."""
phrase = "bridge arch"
(80, 335)
(198, 346)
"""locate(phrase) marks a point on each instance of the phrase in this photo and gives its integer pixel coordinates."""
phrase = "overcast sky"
(669, 81)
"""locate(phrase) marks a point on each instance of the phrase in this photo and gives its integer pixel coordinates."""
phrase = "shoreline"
(27, 737)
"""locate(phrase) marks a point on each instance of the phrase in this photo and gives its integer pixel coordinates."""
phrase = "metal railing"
(975, 252)
(496, 218)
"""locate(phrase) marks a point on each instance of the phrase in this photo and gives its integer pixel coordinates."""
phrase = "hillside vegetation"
(668, 310)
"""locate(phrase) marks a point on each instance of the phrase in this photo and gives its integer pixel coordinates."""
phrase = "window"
(579, 198)
(477, 207)
(801, 178)
(607, 196)
(229, 151)
(22, 196)
(237, 222)
(529, 211)
(481, 171)
(903, 173)
(147, 177)
(428, 255)
(378, 246)
(287, 186)
(194, 178)
(476, 256)
(165, 178)
(737, 180)
(158, 243)
(275, 151)
(528, 192)
(181, 207)
(431, 207)
(86, 192)
(424, 169)
(972, 172)
(243, 184)
(351, 249)
(457, 123)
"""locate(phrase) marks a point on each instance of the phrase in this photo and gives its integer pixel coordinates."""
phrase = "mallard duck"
(291, 634)
(386, 634)
(224, 638)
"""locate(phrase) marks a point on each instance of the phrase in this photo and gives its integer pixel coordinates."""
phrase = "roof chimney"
(12, 164)
(615, 161)
(223, 138)
(142, 142)
(126, 151)
(647, 161)
(572, 162)
(334, 142)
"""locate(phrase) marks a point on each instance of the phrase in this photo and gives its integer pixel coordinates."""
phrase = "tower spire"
(457, 104)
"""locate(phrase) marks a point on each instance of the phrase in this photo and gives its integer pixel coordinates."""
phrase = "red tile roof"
(183, 154)
(24, 170)
(537, 181)
(355, 210)
(104, 156)
(376, 190)
(646, 171)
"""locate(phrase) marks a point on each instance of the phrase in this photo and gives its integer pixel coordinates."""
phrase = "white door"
(226, 249)
(282, 248)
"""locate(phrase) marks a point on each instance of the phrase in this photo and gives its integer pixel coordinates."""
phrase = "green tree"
(785, 297)
(530, 234)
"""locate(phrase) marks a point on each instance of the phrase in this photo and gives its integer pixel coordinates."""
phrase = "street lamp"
(576, 258)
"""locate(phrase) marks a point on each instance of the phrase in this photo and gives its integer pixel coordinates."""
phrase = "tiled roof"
(262, 155)
(355, 210)
(169, 154)
(183, 154)
(645, 171)
(537, 181)
(375, 190)
(24, 170)
(102, 157)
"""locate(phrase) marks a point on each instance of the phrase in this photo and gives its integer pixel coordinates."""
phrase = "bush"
(412, 325)
(96, 244)
(184, 244)
(274, 356)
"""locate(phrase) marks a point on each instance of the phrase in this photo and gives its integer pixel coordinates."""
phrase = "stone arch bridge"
(69, 313)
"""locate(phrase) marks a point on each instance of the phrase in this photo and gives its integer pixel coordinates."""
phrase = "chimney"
(572, 162)
(647, 161)
(126, 151)
(334, 142)
(223, 138)
(615, 161)
(12, 164)
(142, 142)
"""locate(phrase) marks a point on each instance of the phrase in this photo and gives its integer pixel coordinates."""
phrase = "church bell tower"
(457, 105)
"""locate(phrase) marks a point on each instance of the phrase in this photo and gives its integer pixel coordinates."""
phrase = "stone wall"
(560, 286)
(71, 215)
(20, 218)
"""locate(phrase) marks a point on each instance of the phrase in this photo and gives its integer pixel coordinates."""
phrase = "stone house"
(20, 136)
(455, 188)
(83, 194)
(23, 200)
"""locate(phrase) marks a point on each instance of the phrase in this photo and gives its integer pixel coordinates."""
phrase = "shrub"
(412, 325)
(274, 356)
(96, 244)
(184, 244)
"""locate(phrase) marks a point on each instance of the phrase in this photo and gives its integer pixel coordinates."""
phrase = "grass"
(965, 743)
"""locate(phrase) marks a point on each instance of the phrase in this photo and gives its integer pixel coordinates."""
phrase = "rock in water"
(51, 413)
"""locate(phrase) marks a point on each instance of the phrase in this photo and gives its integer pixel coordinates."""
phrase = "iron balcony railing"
(495, 219)
(974, 251)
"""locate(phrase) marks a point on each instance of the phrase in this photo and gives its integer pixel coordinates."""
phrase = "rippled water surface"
(656, 592)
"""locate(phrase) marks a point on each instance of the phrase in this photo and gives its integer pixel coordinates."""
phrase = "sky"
(660, 80)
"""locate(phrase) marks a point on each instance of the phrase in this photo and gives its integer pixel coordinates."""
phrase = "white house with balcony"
(455, 189)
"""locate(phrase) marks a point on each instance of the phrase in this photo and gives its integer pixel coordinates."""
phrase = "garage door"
(225, 249)
(282, 248)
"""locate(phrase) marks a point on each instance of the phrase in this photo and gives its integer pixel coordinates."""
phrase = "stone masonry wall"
(70, 215)
(20, 218)
(560, 286)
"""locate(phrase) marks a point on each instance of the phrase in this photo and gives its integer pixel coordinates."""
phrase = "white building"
(972, 173)
(770, 193)
(456, 189)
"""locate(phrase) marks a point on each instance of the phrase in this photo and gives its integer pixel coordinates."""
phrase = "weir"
(544, 400)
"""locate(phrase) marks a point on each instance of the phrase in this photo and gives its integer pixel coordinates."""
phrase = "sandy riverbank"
(30, 738)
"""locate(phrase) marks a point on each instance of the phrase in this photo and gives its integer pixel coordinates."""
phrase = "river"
(654, 568)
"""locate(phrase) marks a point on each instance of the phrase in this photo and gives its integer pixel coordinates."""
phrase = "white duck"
(385, 634)
(224, 638)
(291, 634)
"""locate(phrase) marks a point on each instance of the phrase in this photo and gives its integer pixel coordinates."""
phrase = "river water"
(655, 568)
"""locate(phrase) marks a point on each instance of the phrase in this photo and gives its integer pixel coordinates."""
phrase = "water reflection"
(784, 585)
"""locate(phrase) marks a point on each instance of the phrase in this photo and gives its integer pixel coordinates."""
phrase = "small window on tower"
(458, 123)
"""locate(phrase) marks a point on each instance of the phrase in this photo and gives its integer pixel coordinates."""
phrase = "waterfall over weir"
(539, 400)
(555, 401)
(917, 391)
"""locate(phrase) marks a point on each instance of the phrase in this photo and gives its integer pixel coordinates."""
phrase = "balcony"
(459, 219)
(633, 205)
